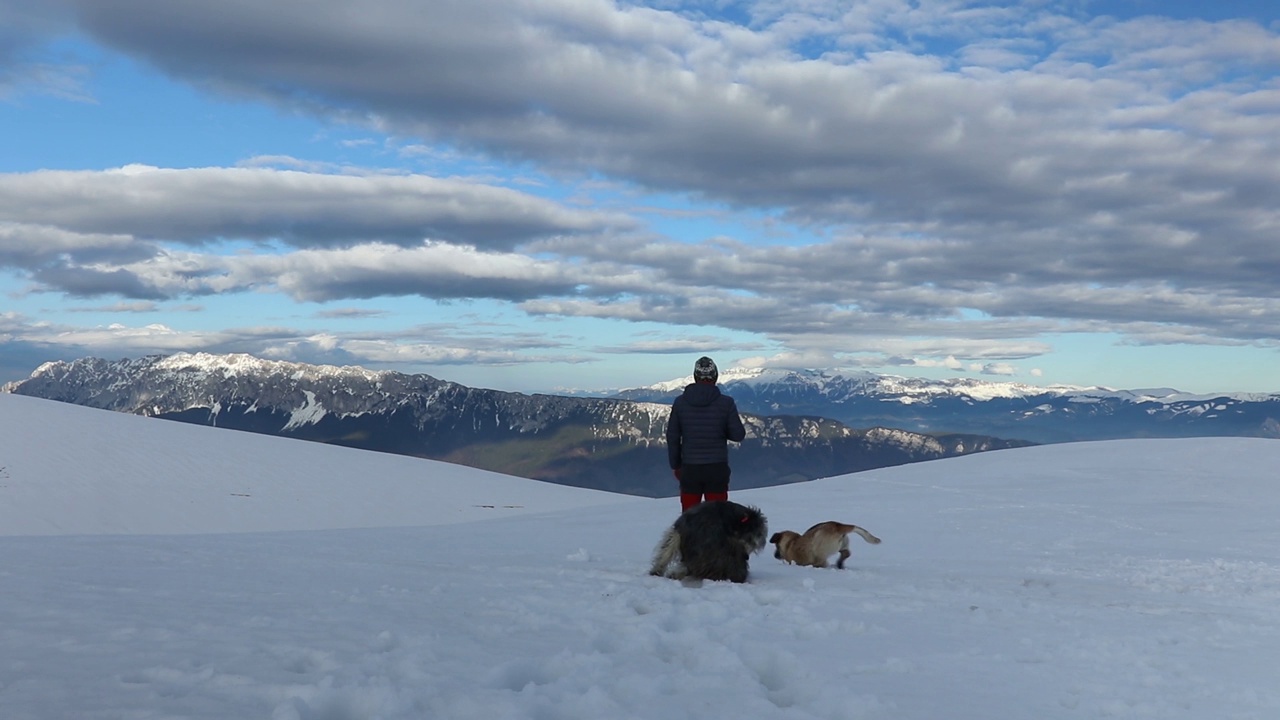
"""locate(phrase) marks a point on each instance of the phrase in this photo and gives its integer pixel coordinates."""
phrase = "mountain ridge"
(830, 380)
(602, 443)
(1040, 414)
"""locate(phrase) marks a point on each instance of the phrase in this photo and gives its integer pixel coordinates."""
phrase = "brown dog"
(818, 543)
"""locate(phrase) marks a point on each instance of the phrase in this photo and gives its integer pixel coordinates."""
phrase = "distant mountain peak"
(915, 389)
(245, 364)
(1053, 413)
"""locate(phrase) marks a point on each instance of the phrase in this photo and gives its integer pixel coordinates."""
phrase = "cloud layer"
(973, 177)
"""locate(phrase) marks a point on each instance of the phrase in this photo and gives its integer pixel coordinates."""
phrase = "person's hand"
(676, 472)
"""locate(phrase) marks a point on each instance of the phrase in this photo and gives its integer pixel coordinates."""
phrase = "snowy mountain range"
(1048, 414)
(602, 443)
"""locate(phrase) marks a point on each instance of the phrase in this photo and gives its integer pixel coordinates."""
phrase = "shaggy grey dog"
(711, 541)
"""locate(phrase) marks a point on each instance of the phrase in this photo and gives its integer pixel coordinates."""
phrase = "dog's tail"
(866, 535)
(667, 552)
(846, 529)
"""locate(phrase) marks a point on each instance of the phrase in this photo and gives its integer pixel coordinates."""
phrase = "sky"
(585, 194)
(155, 569)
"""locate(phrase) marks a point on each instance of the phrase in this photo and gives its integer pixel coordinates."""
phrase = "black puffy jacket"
(702, 420)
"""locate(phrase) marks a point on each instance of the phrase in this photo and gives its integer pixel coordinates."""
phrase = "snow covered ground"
(156, 570)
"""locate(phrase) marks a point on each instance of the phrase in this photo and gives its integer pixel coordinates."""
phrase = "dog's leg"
(844, 552)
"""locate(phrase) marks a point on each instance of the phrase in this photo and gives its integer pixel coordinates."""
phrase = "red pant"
(698, 481)
(688, 500)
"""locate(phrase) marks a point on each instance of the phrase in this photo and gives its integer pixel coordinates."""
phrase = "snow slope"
(1129, 579)
(75, 470)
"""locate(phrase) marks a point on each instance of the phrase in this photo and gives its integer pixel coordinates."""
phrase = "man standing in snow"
(701, 423)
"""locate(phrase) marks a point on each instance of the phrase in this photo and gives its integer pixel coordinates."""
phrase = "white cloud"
(998, 369)
(303, 209)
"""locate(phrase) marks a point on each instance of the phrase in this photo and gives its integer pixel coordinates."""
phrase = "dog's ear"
(776, 537)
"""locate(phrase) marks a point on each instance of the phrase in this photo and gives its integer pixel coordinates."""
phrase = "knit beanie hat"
(705, 369)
